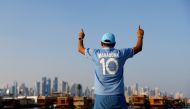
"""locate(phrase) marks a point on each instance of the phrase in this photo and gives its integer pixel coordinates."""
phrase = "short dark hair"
(108, 45)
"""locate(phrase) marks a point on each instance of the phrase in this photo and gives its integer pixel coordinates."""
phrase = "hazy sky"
(39, 38)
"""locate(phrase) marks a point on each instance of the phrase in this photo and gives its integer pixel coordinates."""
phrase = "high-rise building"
(44, 89)
(79, 90)
(179, 95)
(37, 89)
(15, 88)
(23, 90)
(48, 87)
(31, 92)
(129, 91)
(73, 90)
(55, 85)
(142, 91)
(164, 93)
(76, 90)
(2, 92)
(146, 90)
(152, 92)
(12, 89)
(92, 94)
(87, 92)
(157, 91)
(135, 89)
(65, 88)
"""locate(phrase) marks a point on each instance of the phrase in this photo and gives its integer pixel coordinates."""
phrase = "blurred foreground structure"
(57, 100)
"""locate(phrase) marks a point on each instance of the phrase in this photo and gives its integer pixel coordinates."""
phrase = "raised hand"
(81, 34)
(140, 32)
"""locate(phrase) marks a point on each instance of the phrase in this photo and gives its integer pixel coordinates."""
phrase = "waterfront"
(76, 102)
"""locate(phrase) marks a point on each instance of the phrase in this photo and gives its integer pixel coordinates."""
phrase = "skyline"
(39, 38)
(46, 87)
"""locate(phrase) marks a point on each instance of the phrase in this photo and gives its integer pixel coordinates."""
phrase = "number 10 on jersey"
(107, 70)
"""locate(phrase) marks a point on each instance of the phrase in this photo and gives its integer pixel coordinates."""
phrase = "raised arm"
(81, 48)
(139, 44)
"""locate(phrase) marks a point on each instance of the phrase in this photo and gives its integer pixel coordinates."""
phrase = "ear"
(114, 44)
(101, 44)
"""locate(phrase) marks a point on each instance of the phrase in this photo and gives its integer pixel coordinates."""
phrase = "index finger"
(82, 30)
(139, 27)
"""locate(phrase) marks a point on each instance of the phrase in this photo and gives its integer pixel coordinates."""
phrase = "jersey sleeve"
(128, 53)
(89, 53)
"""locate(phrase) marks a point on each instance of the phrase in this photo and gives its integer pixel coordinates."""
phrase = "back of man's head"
(108, 40)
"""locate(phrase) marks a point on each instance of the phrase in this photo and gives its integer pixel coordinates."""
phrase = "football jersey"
(109, 63)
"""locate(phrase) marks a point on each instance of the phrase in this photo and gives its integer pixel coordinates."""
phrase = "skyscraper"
(15, 88)
(129, 91)
(37, 89)
(74, 89)
(65, 87)
(79, 90)
(142, 91)
(55, 85)
(157, 91)
(23, 90)
(31, 92)
(92, 92)
(43, 86)
(48, 87)
(87, 92)
(135, 89)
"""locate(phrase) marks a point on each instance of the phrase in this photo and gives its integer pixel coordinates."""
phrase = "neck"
(106, 47)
